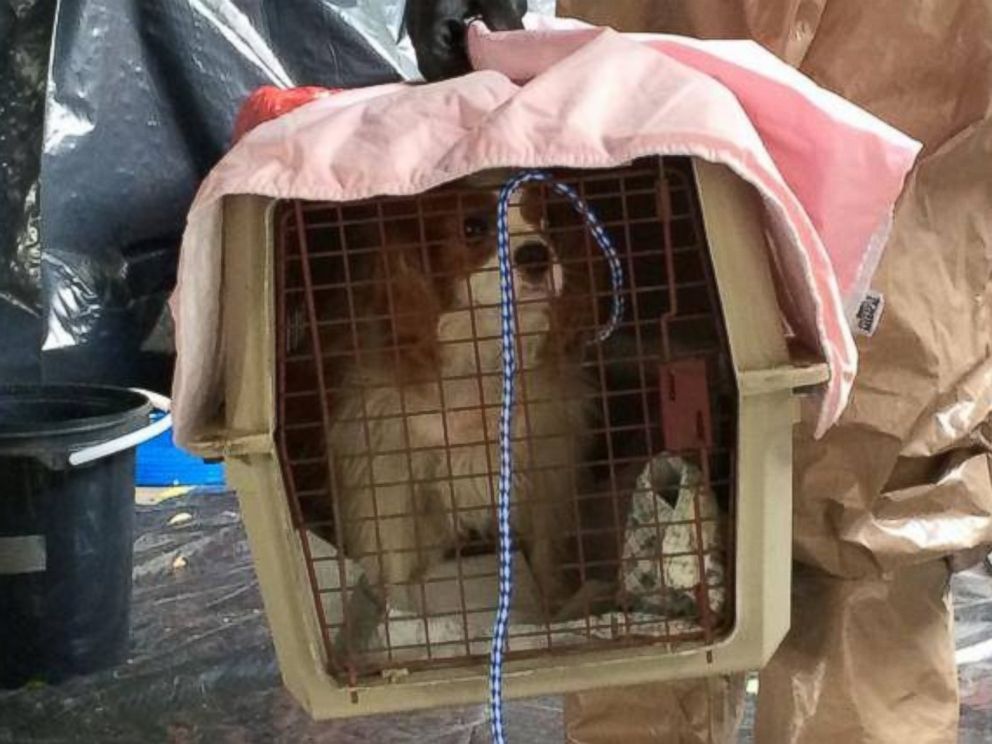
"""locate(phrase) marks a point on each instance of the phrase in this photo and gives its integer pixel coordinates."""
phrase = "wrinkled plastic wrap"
(202, 667)
(899, 492)
(25, 32)
(972, 592)
(141, 99)
(137, 104)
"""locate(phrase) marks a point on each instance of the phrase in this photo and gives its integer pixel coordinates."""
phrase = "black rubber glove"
(437, 30)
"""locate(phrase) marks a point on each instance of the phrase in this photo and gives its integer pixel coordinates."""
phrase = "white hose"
(135, 438)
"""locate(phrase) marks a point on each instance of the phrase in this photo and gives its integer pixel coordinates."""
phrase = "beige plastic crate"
(767, 382)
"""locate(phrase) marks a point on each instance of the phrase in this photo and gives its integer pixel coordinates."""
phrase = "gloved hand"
(437, 30)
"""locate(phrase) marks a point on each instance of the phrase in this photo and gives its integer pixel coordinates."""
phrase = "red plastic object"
(269, 102)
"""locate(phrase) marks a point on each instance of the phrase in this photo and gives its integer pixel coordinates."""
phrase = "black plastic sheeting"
(142, 100)
(25, 33)
(141, 97)
(202, 666)
(118, 108)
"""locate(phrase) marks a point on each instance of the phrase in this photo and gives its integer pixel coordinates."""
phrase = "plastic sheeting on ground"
(202, 666)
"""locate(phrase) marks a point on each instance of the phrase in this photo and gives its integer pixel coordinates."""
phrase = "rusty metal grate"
(388, 398)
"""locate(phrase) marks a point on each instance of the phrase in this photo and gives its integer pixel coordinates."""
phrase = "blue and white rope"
(508, 332)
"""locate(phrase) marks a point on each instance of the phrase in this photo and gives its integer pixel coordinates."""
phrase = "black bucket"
(66, 529)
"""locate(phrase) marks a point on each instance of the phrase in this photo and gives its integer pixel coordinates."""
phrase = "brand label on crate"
(869, 314)
(23, 554)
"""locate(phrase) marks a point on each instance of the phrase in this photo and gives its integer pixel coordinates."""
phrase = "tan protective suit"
(899, 494)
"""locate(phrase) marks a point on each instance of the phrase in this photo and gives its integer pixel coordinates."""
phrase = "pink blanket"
(565, 94)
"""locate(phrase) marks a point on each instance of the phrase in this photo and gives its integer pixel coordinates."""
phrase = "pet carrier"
(653, 503)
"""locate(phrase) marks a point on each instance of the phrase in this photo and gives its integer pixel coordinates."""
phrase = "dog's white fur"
(417, 462)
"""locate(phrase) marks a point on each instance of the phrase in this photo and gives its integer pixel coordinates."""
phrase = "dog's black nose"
(437, 30)
(533, 258)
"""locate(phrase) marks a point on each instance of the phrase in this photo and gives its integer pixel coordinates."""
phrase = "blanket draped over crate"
(564, 94)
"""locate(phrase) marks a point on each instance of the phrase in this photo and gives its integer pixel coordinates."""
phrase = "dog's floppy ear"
(408, 305)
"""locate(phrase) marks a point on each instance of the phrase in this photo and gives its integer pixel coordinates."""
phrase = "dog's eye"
(476, 226)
